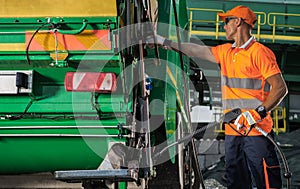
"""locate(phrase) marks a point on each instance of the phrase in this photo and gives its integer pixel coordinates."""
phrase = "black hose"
(29, 43)
(186, 138)
(287, 174)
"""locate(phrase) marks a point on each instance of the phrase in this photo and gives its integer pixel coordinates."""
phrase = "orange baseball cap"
(241, 12)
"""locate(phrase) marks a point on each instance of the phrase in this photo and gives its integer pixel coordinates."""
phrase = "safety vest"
(243, 78)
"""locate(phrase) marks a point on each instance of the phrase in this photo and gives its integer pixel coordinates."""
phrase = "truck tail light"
(90, 82)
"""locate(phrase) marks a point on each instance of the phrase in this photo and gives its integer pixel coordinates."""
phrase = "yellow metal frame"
(263, 19)
(274, 24)
(217, 115)
(279, 118)
(217, 21)
(219, 128)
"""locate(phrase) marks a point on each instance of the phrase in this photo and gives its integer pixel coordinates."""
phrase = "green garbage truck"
(77, 77)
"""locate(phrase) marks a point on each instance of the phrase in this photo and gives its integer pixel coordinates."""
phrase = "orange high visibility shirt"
(243, 78)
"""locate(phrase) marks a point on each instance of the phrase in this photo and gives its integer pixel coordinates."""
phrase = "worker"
(252, 81)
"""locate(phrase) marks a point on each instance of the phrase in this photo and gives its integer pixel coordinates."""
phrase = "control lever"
(231, 115)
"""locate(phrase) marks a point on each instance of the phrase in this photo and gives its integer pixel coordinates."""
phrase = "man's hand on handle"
(250, 117)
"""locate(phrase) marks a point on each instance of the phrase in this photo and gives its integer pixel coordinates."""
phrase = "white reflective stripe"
(236, 122)
(77, 78)
(107, 82)
(249, 118)
(245, 83)
(242, 83)
(246, 104)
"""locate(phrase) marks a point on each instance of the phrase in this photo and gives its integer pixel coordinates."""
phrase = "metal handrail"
(216, 21)
(208, 10)
(263, 19)
(273, 24)
(277, 14)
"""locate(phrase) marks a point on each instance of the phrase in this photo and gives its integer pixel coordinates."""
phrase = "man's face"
(230, 27)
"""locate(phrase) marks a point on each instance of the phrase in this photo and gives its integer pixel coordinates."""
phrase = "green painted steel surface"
(43, 154)
(55, 143)
(49, 128)
(174, 97)
(37, 149)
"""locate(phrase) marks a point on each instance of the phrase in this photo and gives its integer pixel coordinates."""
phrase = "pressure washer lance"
(229, 117)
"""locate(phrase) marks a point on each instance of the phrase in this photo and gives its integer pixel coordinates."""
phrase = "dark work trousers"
(251, 156)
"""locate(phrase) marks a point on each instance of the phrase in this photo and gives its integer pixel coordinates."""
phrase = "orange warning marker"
(87, 40)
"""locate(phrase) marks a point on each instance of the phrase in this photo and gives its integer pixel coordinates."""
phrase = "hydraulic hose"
(29, 42)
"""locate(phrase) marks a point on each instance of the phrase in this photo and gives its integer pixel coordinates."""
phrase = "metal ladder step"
(116, 175)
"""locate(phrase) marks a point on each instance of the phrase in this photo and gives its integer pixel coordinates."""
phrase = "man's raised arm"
(188, 49)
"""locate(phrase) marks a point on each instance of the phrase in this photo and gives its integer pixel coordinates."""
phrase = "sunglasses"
(227, 19)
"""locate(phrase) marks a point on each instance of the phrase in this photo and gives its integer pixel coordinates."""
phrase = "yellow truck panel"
(57, 8)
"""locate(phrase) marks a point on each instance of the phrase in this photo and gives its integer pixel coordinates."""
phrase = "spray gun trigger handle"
(231, 115)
